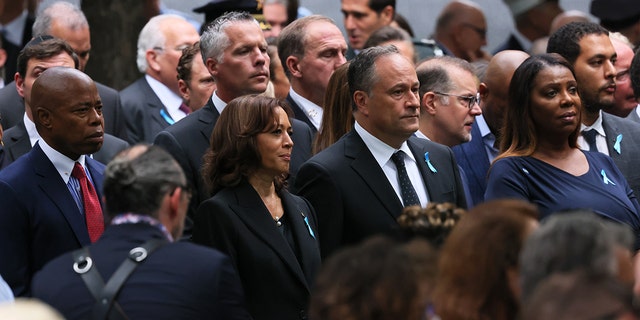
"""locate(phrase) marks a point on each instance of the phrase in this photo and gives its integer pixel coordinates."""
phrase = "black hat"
(216, 8)
(616, 14)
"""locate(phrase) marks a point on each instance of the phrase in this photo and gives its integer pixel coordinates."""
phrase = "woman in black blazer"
(269, 233)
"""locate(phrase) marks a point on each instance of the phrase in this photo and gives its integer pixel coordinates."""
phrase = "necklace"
(278, 222)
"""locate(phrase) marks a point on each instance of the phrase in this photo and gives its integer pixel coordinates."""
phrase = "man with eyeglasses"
(461, 31)
(153, 102)
(625, 100)
(449, 103)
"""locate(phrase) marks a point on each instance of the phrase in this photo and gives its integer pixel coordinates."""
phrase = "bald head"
(67, 111)
(494, 89)
(461, 27)
(568, 17)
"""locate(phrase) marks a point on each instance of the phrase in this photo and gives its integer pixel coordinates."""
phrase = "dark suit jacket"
(352, 196)
(16, 144)
(299, 114)
(12, 109)
(39, 220)
(511, 43)
(473, 159)
(142, 108)
(11, 65)
(179, 280)
(188, 140)
(277, 279)
(629, 155)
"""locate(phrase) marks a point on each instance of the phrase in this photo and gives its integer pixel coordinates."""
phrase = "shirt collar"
(34, 136)
(217, 102)
(311, 110)
(169, 99)
(14, 30)
(483, 127)
(63, 164)
(421, 135)
(381, 151)
(597, 125)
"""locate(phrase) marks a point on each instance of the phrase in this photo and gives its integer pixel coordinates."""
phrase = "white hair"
(151, 36)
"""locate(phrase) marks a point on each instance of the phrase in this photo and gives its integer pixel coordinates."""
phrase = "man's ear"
(483, 90)
(19, 84)
(212, 67)
(387, 14)
(152, 60)
(429, 103)
(293, 65)
(184, 90)
(43, 117)
(361, 100)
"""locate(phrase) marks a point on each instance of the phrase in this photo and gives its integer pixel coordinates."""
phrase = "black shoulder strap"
(105, 295)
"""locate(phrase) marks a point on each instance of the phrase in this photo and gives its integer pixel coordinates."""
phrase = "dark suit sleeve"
(15, 266)
(316, 185)
(133, 118)
(461, 189)
(214, 229)
(120, 129)
(230, 298)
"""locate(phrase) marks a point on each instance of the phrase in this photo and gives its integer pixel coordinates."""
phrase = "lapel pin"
(429, 164)
(606, 179)
(616, 146)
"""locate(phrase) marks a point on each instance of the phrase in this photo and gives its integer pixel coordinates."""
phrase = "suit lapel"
(19, 143)
(155, 105)
(51, 184)
(256, 217)
(209, 117)
(611, 131)
(368, 169)
(299, 114)
(475, 150)
(307, 244)
(96, 177)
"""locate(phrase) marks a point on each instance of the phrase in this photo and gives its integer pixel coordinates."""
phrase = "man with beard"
(588, 48)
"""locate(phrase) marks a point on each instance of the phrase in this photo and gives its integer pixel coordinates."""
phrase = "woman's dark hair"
(519, 133)
(233, 154)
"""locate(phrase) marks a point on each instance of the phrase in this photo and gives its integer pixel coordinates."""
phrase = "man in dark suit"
(146, 199)
(310, 49)
(235, 75)
(588, 48)
(153, 102)
(16, 24)
(37, 56)
(360, 184)
(50, 196)
(475, 156)
(65, 21)
(532, 20)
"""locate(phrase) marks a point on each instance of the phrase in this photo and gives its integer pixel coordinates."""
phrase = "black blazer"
(188, 140)
(352, 196)
(179, 280)
(142, 112)
(276, 278)
(626, 157)
(16, 144)
(12, 109)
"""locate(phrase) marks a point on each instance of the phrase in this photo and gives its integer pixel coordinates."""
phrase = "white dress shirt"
(601, 137)
(169, 99)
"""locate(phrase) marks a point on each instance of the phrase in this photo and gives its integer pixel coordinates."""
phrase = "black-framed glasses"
(481, 32)
(470, 100)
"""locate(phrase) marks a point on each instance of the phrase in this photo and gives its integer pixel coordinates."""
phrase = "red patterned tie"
(92, 209)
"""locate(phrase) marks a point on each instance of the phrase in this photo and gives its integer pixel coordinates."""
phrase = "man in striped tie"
(51, 196)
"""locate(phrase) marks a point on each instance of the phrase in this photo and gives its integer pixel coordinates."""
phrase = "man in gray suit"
(588, 48)
(37, 56)
(360, 184)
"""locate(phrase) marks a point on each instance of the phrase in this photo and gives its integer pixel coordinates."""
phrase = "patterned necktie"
(409, 195)
(91, 203)
(590, 138)
(184, 108)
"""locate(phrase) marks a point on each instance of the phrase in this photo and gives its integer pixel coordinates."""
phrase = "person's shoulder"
(105, 90)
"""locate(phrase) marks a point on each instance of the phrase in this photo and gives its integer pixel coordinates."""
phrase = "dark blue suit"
(472, 158)
(40, 219)
(177, 281)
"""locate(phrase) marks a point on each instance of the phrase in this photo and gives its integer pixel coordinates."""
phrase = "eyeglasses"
(470, 100)
(481, 32)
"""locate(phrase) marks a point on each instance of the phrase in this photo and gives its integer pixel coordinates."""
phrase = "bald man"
(43, 197)
(475, 156)
(461, 31)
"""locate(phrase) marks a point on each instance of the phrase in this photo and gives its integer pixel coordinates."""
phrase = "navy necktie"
(590, 138)
(409, 195)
